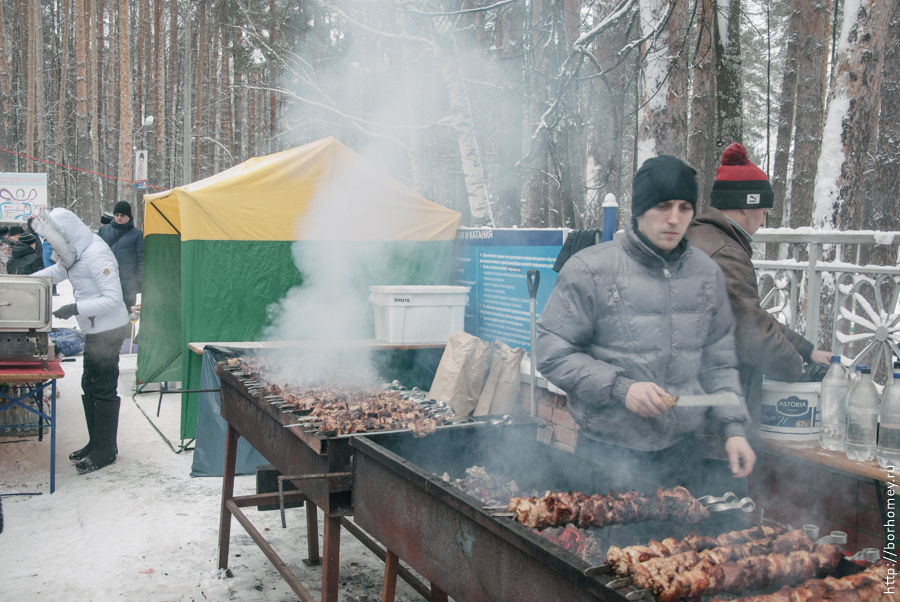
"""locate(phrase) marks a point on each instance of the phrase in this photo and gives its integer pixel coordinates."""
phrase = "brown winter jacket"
(764, 345)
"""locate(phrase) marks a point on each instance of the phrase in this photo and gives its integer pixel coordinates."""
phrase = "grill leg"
(437, 595)
(312, 535)
(231, 441)
(388, 589)
(331, 562)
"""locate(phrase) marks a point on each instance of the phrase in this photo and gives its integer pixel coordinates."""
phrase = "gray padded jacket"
(621, 313)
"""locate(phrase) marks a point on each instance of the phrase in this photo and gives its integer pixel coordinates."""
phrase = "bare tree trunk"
(729, 78)
(509, 40)
(169, 115)
(159, 90)
(884, 180)
(273, 81)
(702, 149)
(812, 53)
(95, 24)
(58, 173)
(39, 100)
(463, 124)
(30, 99)
(82, 156)
(851, 120)
(785, 125)
(201, 69)
(7, 162)
(238, 91)
(225, 94)
(126, 116)
(535, 197)
(664, 80)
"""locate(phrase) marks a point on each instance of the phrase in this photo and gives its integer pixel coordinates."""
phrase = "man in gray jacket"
(639, 317)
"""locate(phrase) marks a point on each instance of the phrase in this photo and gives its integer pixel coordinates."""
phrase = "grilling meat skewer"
(621, 559)
(560, 509)
(755, 572)
(867, 586)
(345, 409)
(659, 573)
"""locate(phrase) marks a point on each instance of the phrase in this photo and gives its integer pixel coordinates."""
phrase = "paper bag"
(460, 375)
(501, 387)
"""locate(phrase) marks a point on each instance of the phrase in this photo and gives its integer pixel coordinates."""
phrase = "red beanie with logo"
(739, 183)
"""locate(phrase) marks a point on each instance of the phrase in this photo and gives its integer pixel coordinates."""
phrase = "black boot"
(88, 404)
(106, 422)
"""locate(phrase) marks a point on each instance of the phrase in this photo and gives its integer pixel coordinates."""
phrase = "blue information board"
(494, 263)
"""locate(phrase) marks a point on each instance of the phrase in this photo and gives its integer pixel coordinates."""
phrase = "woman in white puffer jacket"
(87, 262)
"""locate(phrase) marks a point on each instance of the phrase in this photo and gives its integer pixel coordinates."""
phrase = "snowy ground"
(143, 528)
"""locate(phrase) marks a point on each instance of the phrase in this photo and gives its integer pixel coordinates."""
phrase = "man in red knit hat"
(741, 197)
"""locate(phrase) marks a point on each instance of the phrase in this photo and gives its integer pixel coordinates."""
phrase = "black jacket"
(24, 260)
(129, 252)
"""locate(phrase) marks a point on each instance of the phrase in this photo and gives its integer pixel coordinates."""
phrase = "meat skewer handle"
(533, 278)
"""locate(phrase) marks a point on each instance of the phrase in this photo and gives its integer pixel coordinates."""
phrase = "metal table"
(35, 379)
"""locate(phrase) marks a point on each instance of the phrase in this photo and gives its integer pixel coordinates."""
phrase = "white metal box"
(25, 303)
(418, 313)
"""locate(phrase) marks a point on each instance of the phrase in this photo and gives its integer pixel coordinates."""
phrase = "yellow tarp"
(320, 191)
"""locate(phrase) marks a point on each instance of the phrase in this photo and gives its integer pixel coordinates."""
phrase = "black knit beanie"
(660, 179)
(739, 183)
(123, 207)
(14, 230)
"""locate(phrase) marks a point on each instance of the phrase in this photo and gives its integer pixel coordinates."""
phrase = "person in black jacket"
(24, 259)
(127, 244)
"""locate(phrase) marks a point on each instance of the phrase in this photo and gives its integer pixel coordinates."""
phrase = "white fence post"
(813, 294)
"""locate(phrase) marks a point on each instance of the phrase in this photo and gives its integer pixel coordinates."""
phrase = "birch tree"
(852, 117)
(126, 111)
(663, 98)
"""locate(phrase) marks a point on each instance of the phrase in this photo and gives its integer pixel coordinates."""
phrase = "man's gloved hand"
(66, 311)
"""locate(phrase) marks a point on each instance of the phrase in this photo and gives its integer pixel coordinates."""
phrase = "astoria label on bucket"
(790, 411)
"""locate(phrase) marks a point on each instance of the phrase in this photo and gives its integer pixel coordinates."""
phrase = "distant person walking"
(127, 243)
(25, 259)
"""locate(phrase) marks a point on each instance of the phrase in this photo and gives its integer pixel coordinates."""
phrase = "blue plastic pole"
(610, 213)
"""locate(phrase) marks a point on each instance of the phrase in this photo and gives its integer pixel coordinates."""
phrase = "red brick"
(563, 435)
(564, 447)
(869, 520)
(819, 479)
(563, 418)
(866, 495)
(844, 487)
(834, 508)
(779, 492)
(866, 540)
(545, 411)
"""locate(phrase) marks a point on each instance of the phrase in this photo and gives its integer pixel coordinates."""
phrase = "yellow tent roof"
(320, 191)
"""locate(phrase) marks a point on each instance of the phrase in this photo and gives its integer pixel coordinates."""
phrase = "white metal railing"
(828, 288)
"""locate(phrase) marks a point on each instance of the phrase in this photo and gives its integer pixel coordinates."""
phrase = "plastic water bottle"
(888, 453)
(833, 406)
(862, 419)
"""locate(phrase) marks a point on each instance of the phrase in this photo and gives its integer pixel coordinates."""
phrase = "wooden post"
(231, 441)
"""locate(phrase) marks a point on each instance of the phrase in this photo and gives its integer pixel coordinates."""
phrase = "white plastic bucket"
(418, 313)
(790, 411)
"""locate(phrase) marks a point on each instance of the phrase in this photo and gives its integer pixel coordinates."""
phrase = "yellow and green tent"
(218, 251)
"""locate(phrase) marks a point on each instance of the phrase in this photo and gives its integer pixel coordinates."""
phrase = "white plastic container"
(790, 411)
(418, 314)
